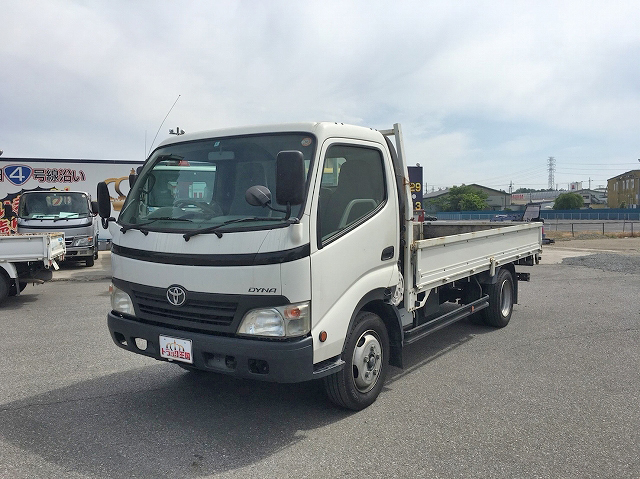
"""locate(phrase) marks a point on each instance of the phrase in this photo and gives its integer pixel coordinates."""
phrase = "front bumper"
(275, 361)
(77, 253)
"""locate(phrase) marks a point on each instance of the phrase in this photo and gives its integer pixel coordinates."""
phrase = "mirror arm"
(105, 221)
(287, 211)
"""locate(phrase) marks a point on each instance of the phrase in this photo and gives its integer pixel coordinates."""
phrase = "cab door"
(355, 245)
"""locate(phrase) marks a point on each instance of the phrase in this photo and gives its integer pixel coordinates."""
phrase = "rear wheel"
(501, 296)
(4, 287)
(366, 357)
(13, 290)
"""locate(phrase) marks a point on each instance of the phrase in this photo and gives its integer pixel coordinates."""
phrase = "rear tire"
(501, 295)
(366, 357)
(17, 287)
(4, 287)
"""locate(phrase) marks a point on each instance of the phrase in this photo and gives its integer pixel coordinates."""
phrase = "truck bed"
(449, 251)
(28, 247)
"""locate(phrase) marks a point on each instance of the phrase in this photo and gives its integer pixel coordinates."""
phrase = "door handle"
(387, 253)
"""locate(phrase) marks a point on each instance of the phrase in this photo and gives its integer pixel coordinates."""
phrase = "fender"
(374, 301)
(485, 278)
(11, 270)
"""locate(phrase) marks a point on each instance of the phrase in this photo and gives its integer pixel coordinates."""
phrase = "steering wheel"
(213, 208)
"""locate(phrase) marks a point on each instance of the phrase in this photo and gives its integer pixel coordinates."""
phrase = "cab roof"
(321, 130)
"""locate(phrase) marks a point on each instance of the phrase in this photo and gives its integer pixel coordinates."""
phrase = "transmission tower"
(551, 163)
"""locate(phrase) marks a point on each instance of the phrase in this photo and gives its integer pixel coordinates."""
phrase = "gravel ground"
(617, 263)
(618, 255)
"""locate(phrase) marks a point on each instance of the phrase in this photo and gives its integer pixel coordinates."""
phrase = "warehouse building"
(624, 190)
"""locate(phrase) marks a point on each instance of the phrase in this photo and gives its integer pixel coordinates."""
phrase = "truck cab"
(70, 212)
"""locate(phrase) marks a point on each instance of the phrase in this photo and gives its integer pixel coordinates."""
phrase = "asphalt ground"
(77, 271)
(554, 394)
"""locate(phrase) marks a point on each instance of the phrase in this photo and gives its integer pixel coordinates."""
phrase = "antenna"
(165, 118)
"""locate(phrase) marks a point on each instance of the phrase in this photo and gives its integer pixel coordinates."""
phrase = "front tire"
(501, 296)
(366, 357)
(90, 262)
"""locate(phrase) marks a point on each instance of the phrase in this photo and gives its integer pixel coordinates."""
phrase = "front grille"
(68, 242)
(196, 313)
(205, 313)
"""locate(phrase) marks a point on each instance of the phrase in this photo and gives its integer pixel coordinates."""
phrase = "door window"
(352, 188)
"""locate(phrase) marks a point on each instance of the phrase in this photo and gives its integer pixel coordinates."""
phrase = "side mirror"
(290, 179)
(104, 203)
(258, 196)
(132, 178)
(94, 208)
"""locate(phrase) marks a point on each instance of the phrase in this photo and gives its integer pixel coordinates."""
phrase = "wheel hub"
(366, 361)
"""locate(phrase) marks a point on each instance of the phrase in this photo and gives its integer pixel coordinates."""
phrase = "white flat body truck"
(289, 253)
(28, 258)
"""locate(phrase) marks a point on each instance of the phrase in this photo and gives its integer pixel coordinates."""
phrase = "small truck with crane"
(290, 253)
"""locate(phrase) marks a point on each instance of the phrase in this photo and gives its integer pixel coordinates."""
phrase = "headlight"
(121, 301)
(83, 241)
(284, 321)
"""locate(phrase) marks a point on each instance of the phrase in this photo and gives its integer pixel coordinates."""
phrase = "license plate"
(176, 349)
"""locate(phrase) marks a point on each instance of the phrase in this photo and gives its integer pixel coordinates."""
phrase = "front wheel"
(366, 357)
(501, 296)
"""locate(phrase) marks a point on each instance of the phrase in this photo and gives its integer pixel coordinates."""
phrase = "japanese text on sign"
(58, 175)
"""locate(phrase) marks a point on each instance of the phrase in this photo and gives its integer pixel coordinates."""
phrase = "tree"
(466, 198)
(568, 201)
(459, 198)
(472, 202)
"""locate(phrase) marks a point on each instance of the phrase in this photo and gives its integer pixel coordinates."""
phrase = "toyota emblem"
(176, 295)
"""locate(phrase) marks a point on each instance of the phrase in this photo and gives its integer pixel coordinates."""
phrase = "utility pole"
(510, 187)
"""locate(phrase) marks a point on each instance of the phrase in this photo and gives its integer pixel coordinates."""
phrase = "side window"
(352, 187)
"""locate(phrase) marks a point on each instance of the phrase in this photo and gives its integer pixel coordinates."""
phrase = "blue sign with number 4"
(18, 174)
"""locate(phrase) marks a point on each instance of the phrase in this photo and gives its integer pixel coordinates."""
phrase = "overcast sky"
(485, 91)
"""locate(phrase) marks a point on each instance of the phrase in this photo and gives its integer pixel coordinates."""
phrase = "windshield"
(199, 185)
(54, 205)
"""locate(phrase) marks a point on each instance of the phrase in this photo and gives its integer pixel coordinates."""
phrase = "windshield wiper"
(214, 229)
(77, 215)
(134, 226)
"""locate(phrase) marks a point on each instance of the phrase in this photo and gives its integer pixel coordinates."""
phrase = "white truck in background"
(28, 258)
(19, 175)
(289, 253)
(69, 212)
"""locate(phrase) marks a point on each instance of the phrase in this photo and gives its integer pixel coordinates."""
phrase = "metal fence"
(594, 215)
(600, 227)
